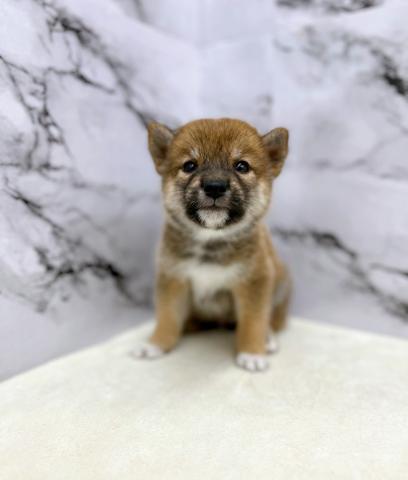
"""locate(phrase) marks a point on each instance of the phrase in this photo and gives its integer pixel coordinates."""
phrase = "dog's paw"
(272, 344)
(147, 350)
(252, 362)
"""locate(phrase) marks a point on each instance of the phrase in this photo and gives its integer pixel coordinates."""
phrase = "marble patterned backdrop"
(80, 205)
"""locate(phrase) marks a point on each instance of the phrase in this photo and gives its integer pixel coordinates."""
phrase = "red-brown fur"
(242, 252)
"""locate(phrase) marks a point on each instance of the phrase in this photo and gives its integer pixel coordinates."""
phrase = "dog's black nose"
(215, 188)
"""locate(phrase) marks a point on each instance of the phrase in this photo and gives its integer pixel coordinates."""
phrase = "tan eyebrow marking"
(236, 153)
(194, 153)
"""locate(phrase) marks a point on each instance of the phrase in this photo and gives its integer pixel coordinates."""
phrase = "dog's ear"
(276, 145)
(159, 137)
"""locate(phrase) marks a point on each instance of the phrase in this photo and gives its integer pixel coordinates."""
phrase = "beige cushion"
(334, 404)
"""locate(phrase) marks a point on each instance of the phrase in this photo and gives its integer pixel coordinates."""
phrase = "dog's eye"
(242, 166)
(189, 166)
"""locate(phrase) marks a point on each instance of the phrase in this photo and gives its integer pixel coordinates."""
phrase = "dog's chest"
(207, 279)
(206, 272)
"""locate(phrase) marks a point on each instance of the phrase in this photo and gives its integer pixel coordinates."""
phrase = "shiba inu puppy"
(216, 261)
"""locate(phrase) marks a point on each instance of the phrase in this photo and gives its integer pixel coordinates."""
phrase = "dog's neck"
(233, 236)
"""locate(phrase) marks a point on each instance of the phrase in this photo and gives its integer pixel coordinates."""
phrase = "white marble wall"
(80, 207)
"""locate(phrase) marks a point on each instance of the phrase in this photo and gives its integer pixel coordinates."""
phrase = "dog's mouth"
(213, 217)
(213, 208)
(214, 214)
(207, 216)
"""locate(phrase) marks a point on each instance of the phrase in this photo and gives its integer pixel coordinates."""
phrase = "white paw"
(252, 362)
(147, 350)
(272, 344)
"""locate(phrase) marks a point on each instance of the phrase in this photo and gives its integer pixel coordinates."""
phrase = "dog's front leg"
(172, 297)
(253, 306)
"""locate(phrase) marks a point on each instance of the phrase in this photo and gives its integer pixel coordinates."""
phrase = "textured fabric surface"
(334, 404)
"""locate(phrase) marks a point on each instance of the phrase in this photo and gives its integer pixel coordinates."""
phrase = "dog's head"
(217, 174)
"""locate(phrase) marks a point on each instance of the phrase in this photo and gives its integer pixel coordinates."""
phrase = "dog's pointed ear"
(276, 145)
(159, 137)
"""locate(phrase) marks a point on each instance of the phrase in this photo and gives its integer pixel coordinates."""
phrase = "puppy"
(216, 261)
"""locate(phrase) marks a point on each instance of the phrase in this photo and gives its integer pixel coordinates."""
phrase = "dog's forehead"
(214, 137)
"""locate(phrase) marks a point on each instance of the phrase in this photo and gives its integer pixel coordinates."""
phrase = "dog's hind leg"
(279, 315)
(281, 301)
